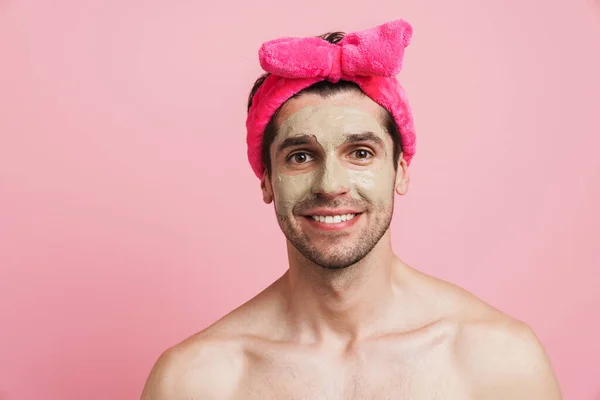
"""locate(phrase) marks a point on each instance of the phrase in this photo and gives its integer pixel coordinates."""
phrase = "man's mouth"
(332, 222)
(333, 219)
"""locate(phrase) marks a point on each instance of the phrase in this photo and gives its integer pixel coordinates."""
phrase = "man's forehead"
(335, 117)
(348, 101)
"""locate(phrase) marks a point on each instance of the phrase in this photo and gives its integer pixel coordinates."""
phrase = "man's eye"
(299, 158)
(362, 154)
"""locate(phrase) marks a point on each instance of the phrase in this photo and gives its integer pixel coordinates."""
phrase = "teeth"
(333, 219)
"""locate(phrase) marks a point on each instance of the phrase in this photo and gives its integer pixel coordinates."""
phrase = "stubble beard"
(337, 251)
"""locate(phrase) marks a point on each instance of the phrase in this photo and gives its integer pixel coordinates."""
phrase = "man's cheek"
(290, 190)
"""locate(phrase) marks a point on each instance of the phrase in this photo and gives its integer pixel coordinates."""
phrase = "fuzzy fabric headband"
(370, 58)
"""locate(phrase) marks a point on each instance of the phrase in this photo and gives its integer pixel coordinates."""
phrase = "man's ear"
(265, 186)
(402, 176)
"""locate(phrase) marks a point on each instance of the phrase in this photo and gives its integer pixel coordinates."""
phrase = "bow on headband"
(374, 52)
(370, 58)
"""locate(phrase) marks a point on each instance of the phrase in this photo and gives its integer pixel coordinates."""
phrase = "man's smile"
(332, 222)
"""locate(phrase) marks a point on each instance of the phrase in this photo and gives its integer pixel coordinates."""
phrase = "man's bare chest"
(376, 372)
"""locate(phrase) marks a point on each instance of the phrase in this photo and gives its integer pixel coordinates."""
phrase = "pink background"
(130, 218)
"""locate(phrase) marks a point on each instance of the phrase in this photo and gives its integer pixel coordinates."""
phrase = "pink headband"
(371, 59)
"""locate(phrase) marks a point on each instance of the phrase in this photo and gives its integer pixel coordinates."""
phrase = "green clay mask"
(331, 149)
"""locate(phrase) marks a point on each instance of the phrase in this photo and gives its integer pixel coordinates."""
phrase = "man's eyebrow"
(304, 139)
(298, 140)
(364, 137)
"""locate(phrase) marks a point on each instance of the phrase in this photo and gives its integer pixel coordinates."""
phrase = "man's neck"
(343, 305)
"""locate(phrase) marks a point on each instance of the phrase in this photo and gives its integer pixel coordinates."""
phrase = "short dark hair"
(324, 89)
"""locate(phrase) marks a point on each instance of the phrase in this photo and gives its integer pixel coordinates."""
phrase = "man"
(331, 136)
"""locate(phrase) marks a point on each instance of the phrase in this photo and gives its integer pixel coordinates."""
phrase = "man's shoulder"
(211, 363)
(208, 365)
(483, 332)
(501, 357)
(492, 335)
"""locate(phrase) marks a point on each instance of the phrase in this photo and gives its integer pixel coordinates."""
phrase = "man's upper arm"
(506, 361)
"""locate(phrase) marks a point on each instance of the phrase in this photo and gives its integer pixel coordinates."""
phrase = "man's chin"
(335, 263)
(331, 255)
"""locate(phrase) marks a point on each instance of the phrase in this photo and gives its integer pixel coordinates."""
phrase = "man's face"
(333, 178)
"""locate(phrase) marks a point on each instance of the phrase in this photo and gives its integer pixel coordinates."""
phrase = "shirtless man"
(348, 319)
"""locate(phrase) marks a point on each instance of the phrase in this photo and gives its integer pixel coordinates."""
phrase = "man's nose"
(332, 180)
